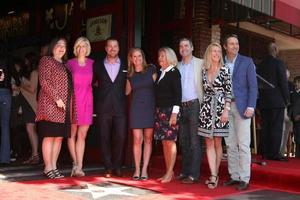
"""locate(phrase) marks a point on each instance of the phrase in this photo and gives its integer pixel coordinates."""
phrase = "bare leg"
(56, 150)
(148, 135)
(80, 145)
(219, 152)
(171, 158)
(47, 147)
(33, 138)
(137, 149)
(211, 155)
(71, 143)
(165, 151)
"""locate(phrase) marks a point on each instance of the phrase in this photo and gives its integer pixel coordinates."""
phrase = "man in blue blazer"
(244, 91)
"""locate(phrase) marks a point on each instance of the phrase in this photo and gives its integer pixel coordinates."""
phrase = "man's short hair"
(229, 36)
(187, 39)
(111, 39)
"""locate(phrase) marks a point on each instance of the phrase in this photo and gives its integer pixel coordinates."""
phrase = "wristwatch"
(228, 108)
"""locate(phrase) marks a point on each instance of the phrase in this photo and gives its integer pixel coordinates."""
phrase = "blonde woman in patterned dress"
(214, 109)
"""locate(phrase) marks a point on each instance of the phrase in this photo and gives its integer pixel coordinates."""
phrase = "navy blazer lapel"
(105, 71)
(122, 69)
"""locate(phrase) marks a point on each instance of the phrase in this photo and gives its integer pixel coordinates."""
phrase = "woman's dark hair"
(52, 44)
(16, 74)
(30, 64)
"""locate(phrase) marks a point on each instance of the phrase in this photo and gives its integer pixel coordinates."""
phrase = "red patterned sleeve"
(46, 67)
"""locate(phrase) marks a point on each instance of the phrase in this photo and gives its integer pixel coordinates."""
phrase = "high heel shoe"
(33, 160)
(135, 178)
(208, 180)
(58, 174)
(161, 178)
(73, 169)
(213, 182)
(168, 179)
(79, 173)
(49, 174)
(144, 178)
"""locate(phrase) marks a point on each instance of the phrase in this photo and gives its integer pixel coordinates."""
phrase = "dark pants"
(297, 151)
(190, 142)
(271, 132)
(296, 130)
(5, 109)
(113, 136)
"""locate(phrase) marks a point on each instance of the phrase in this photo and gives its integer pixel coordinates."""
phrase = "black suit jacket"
(109, 96)
(274, 71)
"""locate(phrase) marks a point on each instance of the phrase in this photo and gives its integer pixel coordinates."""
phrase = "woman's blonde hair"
(130, 63)
(78, 42)
(170, 55)
(207, 55)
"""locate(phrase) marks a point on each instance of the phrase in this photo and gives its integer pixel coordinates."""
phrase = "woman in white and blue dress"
(214, 109)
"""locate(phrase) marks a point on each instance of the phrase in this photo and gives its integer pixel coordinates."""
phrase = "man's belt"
(188, 103)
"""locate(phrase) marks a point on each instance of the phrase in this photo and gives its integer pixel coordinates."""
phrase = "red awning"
(288, 11)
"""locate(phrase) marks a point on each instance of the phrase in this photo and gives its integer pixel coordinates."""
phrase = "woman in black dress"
(28, 92)
(140, 83)
(168, 101)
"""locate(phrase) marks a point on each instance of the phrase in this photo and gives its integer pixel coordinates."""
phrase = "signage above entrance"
(98, 28)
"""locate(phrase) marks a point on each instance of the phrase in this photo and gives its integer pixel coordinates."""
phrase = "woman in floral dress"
(214, 109)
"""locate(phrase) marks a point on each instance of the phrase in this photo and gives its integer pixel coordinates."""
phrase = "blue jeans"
(5, 107)
(189, 140)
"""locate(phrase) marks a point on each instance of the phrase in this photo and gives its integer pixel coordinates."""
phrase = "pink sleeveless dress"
(82, 81)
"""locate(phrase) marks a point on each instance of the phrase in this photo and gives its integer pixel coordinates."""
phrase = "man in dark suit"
(244, 93)
(110, 107)
(272, 102)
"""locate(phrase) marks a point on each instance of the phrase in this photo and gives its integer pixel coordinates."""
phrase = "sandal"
(144, 178)
(207, 181)
(33, 160)
(57, 174)
(50, 174)
(136, 178)
(73, 172)
(213, 182)
(79, 173)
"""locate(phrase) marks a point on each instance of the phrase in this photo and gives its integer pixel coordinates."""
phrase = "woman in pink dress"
(81, 68)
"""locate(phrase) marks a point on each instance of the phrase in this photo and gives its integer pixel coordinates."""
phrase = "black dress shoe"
(117, 172)
(189, 180)
(5, 164)
(181, 177)
(231, 182)
(242, 186)
(108, 173)
(281, 158)
(277, 158)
